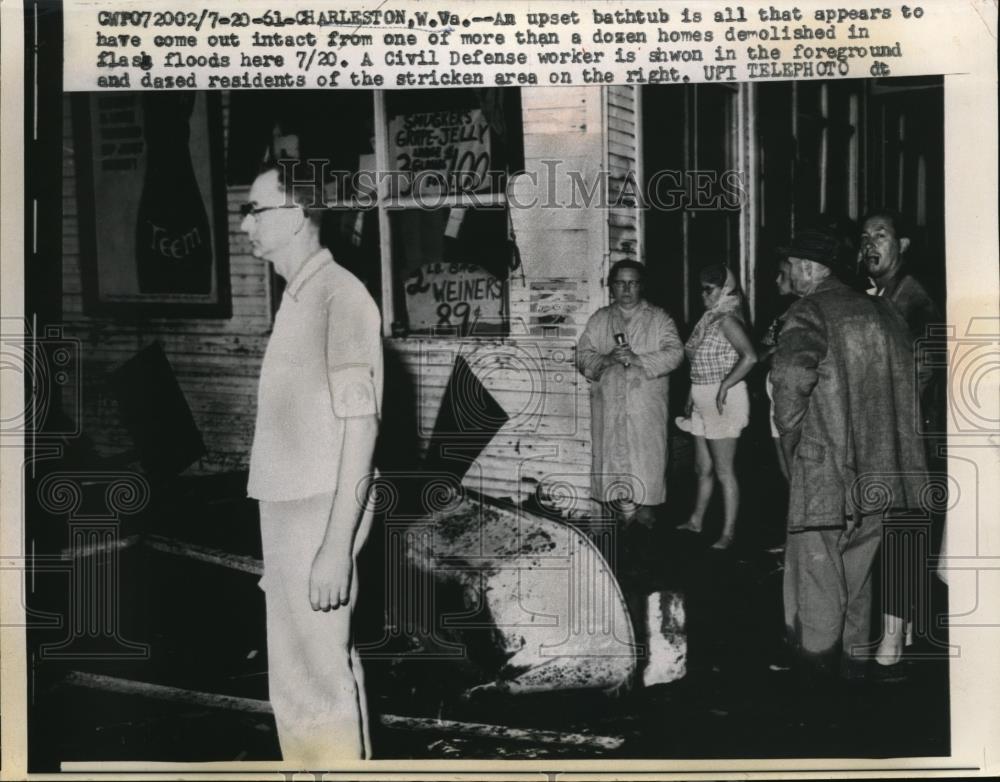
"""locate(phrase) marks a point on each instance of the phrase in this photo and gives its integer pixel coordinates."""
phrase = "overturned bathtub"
(538, 607)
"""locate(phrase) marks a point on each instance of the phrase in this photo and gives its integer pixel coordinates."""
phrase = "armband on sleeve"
(353, 392)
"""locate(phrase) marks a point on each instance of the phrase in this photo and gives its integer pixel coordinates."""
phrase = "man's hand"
(330, 579)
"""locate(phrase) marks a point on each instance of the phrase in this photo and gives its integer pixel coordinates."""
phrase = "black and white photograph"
(594, 422)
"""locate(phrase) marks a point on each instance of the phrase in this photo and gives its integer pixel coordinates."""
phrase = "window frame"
(385, 204)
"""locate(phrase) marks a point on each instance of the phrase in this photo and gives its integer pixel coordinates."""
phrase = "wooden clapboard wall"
(624, 174)
(532, 374)
(216, 361)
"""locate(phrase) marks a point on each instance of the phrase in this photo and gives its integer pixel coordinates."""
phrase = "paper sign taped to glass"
(453, 296)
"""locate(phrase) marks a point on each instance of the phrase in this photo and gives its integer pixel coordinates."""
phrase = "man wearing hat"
(844, 396)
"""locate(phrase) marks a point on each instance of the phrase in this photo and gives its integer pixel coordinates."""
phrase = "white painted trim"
(481, 199)
(384, 229)
(640, 218)
(601, 262)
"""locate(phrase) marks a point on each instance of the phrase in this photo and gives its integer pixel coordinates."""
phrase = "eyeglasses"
(251, 209)
(625, 284)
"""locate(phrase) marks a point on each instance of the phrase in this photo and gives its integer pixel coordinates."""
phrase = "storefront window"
(336, 129)
(449, 250)
(414, 183)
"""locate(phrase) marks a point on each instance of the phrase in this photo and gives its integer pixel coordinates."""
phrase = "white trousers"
(315, 680)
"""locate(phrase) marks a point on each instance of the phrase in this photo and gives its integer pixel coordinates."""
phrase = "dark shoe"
(868, 672)
(888, 674)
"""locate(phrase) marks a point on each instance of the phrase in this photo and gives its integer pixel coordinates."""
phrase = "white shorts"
(705, 418)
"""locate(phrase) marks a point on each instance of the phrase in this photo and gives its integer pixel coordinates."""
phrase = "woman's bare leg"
(723, 457)
(706, 483)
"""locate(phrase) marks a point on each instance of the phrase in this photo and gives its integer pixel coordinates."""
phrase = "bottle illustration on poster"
(173, 238)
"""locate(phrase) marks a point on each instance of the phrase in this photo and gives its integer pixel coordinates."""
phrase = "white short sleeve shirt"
(323, 364)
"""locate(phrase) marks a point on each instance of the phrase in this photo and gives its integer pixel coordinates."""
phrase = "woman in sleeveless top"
(721, 354)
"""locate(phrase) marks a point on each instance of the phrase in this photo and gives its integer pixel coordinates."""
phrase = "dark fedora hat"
(814, 245)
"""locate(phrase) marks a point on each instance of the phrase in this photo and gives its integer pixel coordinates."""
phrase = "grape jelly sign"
(441, 151)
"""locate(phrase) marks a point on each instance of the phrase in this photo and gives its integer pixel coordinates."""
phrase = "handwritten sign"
(441, 150)
(452, 296)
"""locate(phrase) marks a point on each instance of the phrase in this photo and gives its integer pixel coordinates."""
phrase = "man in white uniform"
(317, 420)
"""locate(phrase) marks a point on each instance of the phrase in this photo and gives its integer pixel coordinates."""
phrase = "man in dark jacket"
(844, 402)
(885, 239)
(883, 250)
